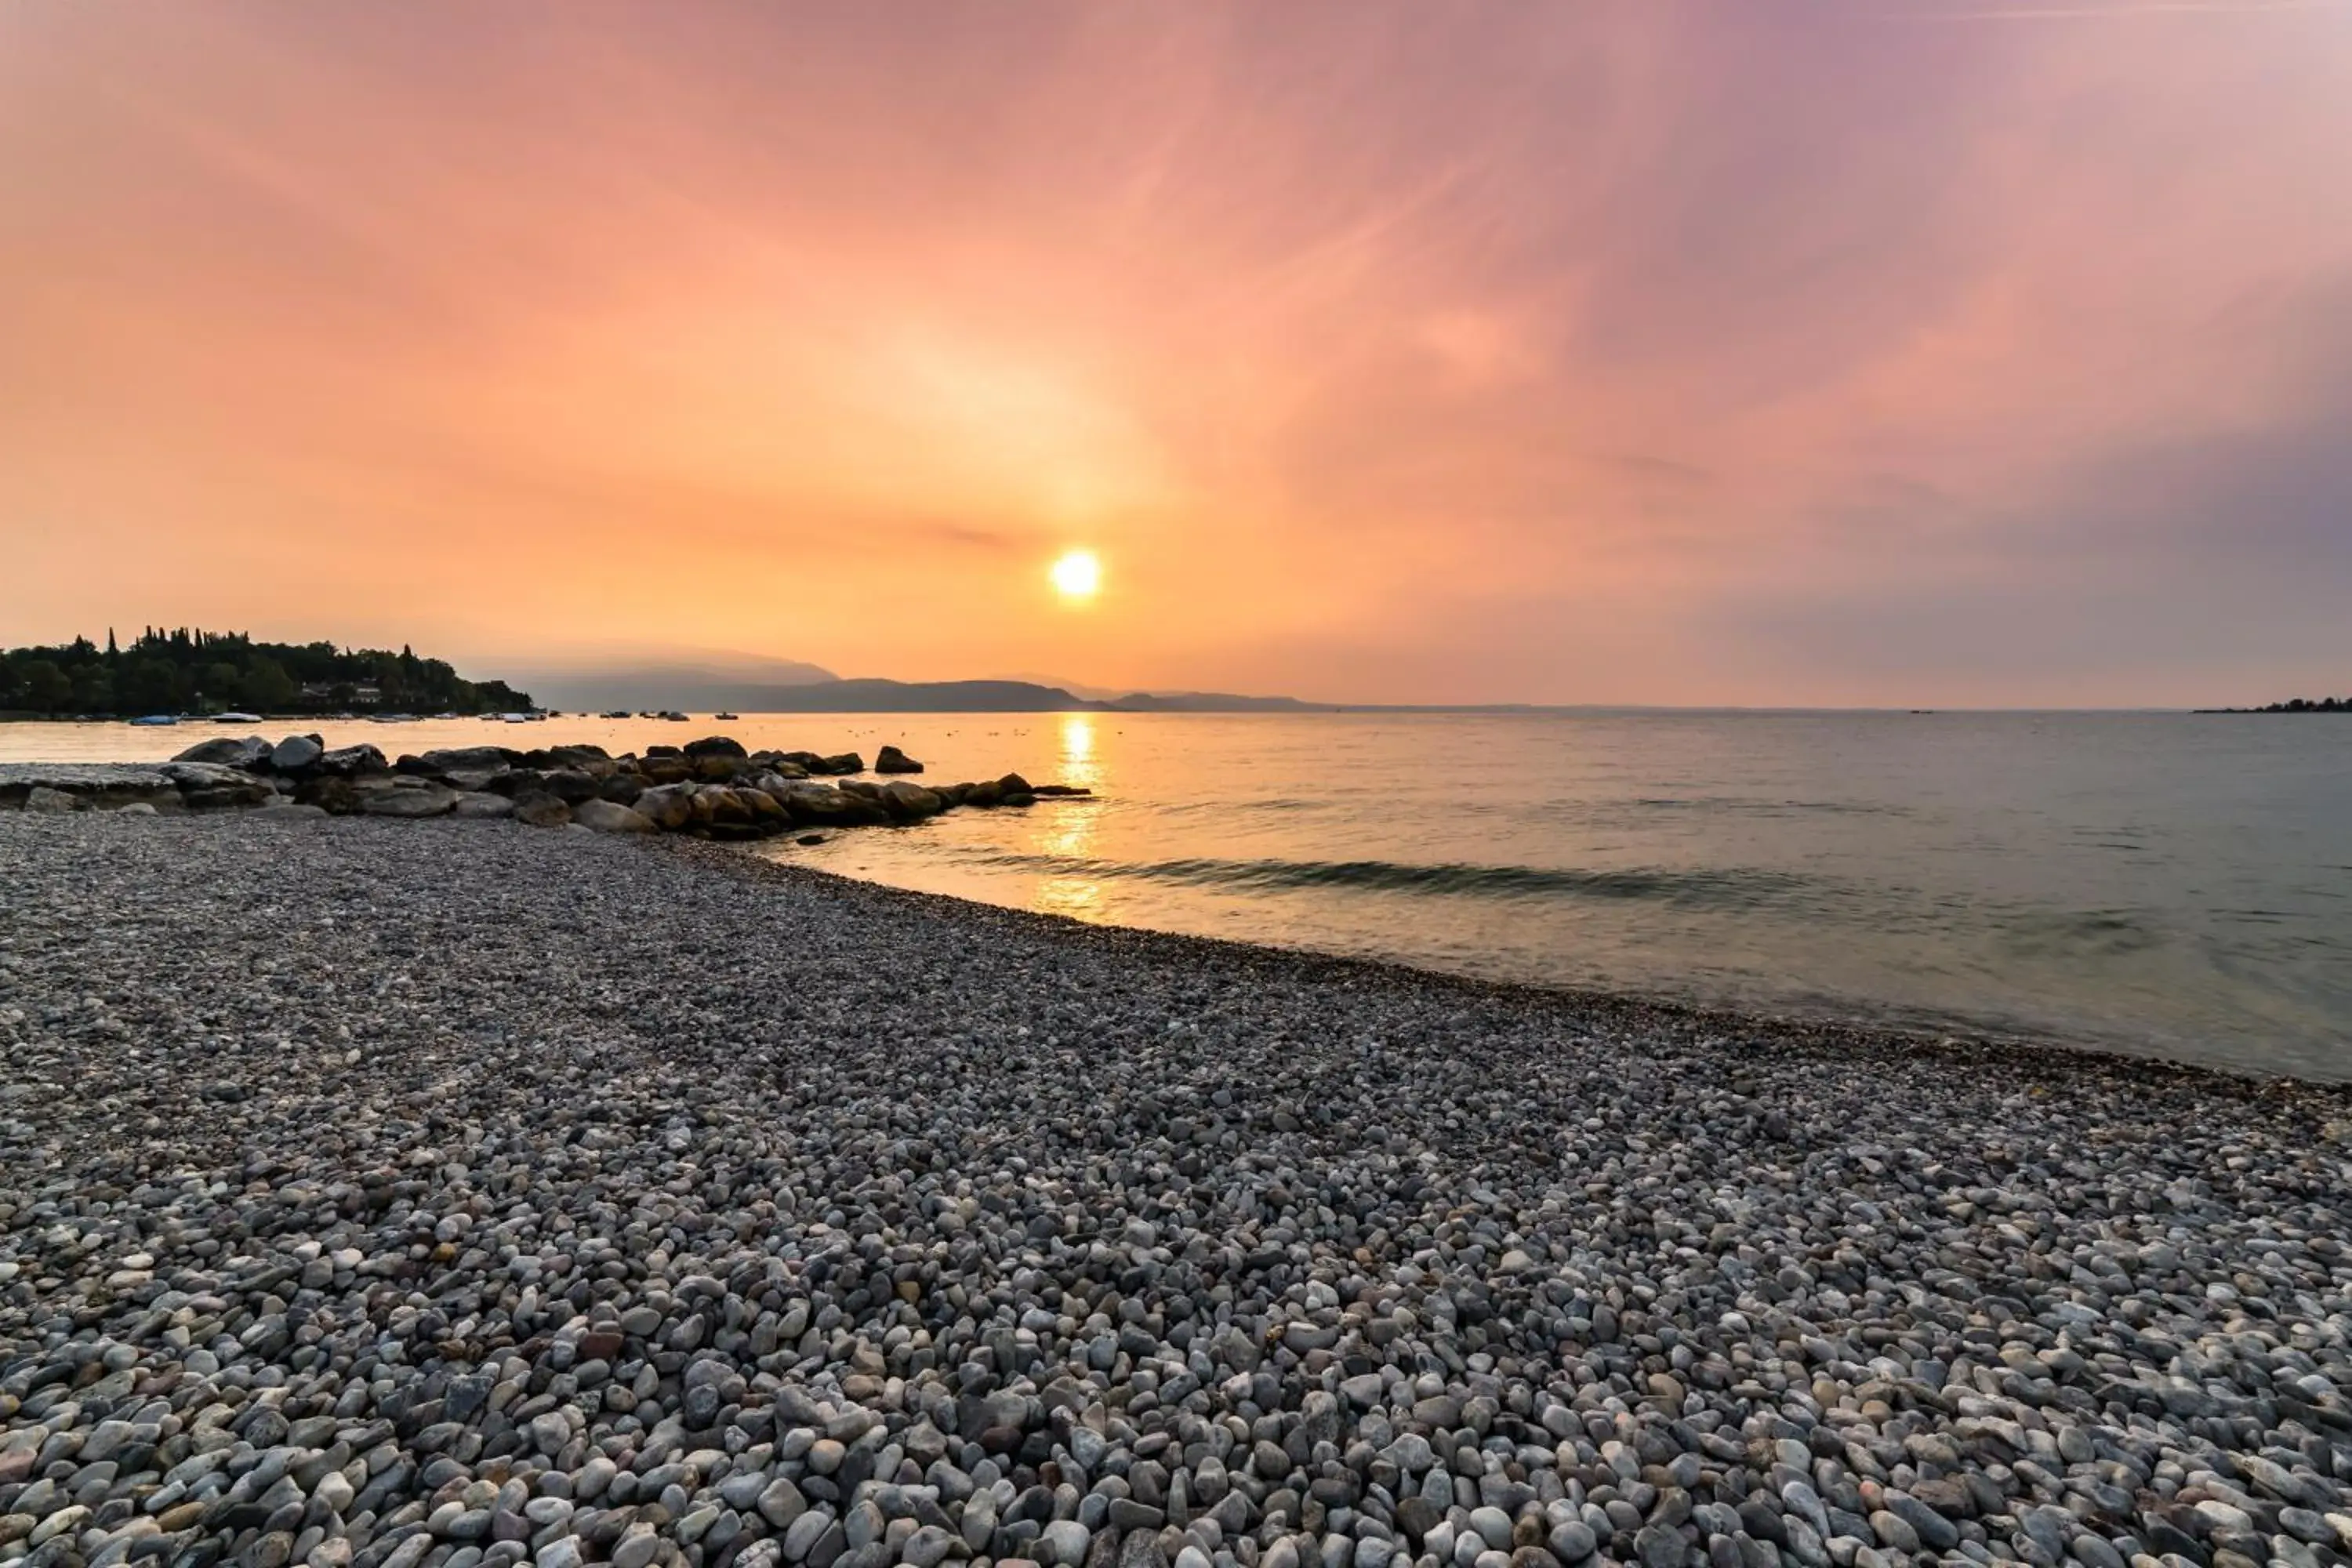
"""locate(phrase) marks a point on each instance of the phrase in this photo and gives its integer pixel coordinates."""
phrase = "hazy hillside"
(1209, 702)
(746, 684)
(878, 696)
(739, 685)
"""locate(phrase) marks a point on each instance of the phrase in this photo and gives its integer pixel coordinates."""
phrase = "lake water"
(2168, 883)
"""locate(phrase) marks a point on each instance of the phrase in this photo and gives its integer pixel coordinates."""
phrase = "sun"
(1077, 576)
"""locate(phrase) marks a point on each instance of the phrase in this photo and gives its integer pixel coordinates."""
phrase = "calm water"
(2166, 883)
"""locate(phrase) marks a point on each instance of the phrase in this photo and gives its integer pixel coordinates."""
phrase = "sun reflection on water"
(1077, 751)
(1068, 831)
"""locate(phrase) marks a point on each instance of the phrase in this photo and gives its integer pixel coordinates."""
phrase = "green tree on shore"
(187, 669)
(46, 687)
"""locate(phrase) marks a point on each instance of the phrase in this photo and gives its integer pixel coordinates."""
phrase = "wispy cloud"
(2121, 11)
(1464, 351)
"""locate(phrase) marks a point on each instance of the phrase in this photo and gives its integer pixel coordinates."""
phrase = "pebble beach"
(458, 1194)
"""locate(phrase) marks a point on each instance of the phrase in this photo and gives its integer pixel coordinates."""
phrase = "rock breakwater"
(372, 1198)
(710, 788)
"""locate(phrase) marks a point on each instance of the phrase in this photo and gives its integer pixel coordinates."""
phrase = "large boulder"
(241, 752)
(622, 789)
(334, 796)
(588, 759)
(98, 785)
(767, 810)
(665, 770)
(570, 785)
(608, 817)
(349, 762)
(715, 746)
(295, 752)
(207, 786)
(822, 806)
(410, 801)
(911, 802)
(846, 763)
(1012, 783)
(987, 792)
(666, 806)
(474, 780)
(477, 805)
(41, 797)
(782, 764)
(447, 760)
(715, 805)
(891, 760)
(541, 809)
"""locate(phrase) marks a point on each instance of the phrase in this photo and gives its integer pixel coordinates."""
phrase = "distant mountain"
(720, 681)
(1208, 703)
(878, 696)
(743, 683)
(1075, 688)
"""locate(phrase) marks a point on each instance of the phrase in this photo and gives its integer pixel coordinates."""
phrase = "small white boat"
(157, 721)
(236, 718)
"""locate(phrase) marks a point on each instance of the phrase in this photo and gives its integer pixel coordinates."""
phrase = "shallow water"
(2170, 883)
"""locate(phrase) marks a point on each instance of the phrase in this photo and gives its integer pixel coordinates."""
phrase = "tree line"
(190, 671)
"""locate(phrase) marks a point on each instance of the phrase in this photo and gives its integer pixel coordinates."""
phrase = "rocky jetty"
(710, 788)
(381, 1199)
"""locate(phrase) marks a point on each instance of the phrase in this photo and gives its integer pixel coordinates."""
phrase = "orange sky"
(1812, 352)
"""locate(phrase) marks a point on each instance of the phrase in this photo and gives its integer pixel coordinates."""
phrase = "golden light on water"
(1078, 576)
(1069, 831)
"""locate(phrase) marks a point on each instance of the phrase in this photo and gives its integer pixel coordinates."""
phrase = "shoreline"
(1825, 1033)
(1828, 1032)
(1970, 1041)
(768, 794)
(376, 1194)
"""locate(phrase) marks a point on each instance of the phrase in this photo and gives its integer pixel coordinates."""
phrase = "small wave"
(2106, 933)
(1738, 805)
(1727, 888)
